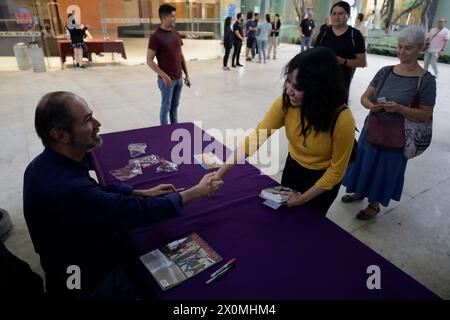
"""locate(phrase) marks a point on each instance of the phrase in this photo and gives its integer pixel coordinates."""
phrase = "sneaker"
(225, 68)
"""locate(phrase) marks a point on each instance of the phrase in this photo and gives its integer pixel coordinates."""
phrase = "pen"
(217, 276)
(225, 266)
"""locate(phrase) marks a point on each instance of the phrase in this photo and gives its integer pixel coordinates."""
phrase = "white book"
(275, 194)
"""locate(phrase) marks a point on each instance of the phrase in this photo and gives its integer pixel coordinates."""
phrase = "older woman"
(378, 173)
(319, 127)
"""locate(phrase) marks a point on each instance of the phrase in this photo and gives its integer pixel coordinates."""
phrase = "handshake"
(206, 187)
(209, 185)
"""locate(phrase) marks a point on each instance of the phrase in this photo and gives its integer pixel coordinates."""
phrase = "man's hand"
(167, 80)
(157, 191)
(340, 60)
(187, 81)
(209, 184)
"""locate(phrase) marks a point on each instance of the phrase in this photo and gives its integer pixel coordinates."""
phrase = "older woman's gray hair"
(415, 35)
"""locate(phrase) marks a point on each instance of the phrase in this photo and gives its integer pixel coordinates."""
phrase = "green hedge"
(391, 52)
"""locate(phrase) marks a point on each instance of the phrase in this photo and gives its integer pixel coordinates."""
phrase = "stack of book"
(275, 197)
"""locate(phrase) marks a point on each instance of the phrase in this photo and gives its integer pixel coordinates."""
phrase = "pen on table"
(225, 266)
(220, 274)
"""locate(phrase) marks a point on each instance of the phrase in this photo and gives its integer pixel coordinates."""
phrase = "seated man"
(72, 219)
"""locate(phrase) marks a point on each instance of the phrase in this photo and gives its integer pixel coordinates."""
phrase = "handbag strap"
(416, 99)
(429, 41)
(336, 118)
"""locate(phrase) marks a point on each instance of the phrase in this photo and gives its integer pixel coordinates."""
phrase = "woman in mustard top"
(319, 127)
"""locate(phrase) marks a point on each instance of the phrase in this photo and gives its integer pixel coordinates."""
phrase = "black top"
(323, 27)
(307, 27)
(346, 46)
(228, 37)
(238, 27)
(77, 35)
(275, 27)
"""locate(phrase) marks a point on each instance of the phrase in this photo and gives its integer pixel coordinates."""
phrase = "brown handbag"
(385, 130)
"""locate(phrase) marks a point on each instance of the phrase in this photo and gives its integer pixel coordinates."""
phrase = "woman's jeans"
(262, 49)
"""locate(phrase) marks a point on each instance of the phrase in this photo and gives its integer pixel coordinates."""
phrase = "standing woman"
(378, 173)
(346, 41)
(359, 24)
(228, 40)
(77, 33)
(264, 29)
(274, 34)
(312, 103)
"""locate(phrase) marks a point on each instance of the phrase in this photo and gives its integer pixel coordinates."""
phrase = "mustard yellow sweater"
(319, 152)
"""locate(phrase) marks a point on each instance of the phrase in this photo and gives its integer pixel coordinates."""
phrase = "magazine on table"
(180, 260)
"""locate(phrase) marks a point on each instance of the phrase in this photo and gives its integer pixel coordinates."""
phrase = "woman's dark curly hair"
(319, 77)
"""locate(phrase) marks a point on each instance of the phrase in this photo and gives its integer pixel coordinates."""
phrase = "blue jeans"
(170, 100)
(262, 49)
(306, 41)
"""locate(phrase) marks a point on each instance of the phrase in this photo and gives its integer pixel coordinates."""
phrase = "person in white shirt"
(371, 21)
(435, 44)
(359, 24)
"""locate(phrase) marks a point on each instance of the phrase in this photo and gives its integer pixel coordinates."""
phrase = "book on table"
(179, 260)
(208, 160)
(275, 196)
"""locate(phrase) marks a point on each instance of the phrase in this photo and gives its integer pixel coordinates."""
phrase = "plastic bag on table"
(131, 170)
(136, 149)
(167, 166)
(147, 161)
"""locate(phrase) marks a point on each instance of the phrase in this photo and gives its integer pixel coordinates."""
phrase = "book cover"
(275, 194)
(208, 160)
(180, 260)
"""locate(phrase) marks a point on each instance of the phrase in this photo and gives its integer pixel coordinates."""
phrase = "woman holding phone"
(378, 173)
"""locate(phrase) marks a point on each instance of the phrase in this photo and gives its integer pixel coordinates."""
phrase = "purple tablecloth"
(289, 253)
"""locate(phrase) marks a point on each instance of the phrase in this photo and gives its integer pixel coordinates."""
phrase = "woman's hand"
(295, 199)
(391, 106)
(376, 107)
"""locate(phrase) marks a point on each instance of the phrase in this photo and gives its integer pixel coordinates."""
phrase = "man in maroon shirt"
(165, 44)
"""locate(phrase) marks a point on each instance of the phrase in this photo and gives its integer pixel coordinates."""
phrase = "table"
(290, 253)
(94, 46)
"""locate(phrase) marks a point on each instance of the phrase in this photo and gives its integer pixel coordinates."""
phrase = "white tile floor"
(413, 233)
